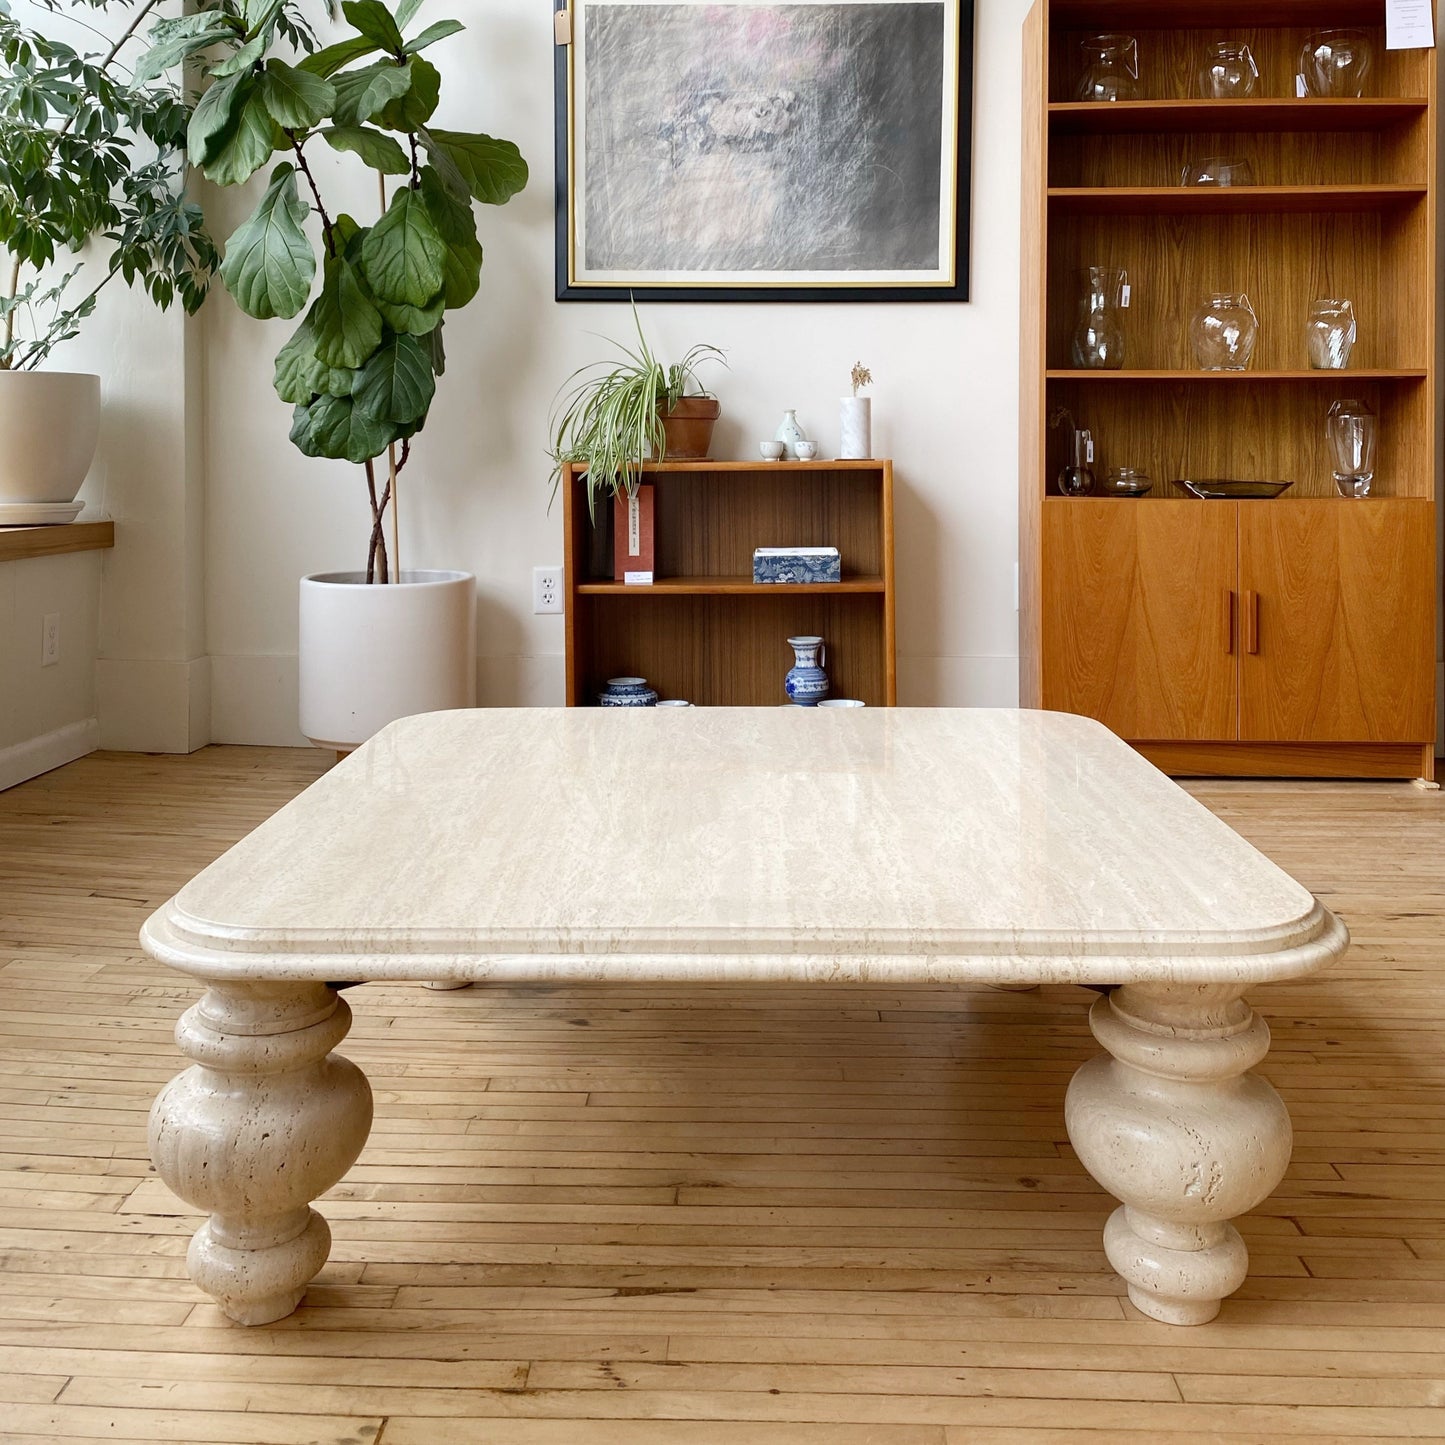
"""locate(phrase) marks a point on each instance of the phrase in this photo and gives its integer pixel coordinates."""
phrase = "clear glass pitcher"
(1351, 430)
(1111, 68)
(1099, 336)
(1223, 332)
(1330, 334)
(1228, 72)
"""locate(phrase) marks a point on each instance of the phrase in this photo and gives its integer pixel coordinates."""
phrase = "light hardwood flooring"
(640, 1216)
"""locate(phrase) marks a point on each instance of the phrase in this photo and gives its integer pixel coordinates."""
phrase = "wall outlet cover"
(546, 589)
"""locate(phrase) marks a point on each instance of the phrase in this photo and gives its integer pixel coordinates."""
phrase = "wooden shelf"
(17, 543)
(1130, 117)
(1151, 15)
(730, 587)
(1360, 374)
(822, 464)
(1227, 200)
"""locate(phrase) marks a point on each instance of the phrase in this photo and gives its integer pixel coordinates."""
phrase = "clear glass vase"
(1099, 337)
(1077, 477)
(1352, 429)
(1330, 334)
(1335, 64)
(1223, 332)
(1228, 72)
(1218, 171)
(1111, 68)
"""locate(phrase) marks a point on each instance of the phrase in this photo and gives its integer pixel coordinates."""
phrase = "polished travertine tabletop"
(872, 844)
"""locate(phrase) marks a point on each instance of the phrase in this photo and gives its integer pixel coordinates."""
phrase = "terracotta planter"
(688, 427)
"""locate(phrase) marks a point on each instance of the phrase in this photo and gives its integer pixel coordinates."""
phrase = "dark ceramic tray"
(1225, 489)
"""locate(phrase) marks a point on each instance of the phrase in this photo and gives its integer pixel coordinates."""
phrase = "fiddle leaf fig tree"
(360, 369)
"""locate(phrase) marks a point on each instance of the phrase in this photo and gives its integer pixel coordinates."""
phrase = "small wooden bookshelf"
(704, 631)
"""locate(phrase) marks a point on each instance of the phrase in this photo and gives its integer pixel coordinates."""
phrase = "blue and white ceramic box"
(797, 564)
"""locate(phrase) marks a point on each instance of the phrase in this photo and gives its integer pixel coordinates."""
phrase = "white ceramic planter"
(855, 427)
(49, 425)
(371, 653)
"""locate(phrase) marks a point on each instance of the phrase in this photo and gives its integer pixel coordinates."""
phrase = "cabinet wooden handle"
(1251, 622)
(1228, 620)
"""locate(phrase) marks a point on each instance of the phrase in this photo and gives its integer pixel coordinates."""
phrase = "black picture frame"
(954, 209)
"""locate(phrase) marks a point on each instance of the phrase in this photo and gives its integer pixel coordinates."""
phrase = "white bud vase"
(855, 427)
(790, 434)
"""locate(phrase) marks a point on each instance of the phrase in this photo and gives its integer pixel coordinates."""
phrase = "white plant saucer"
(38, 514)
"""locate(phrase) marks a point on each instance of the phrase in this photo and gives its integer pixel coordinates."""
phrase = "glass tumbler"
(1218, 171)
(1352, 429)
(1335, 63)
(1223, 332)
(1111, 68)
(1228, 72)
(1330, 334)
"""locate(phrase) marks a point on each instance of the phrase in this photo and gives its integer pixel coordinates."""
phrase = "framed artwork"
(764, 150)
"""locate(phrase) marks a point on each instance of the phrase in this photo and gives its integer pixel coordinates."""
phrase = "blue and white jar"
(628, 692)
(806, 683)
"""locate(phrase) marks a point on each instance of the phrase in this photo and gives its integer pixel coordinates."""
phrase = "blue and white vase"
(790, 434)
(806, 683)
(628, 692)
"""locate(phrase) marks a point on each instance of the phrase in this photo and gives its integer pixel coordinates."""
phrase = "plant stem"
(315, 193)
(376, 552)
(10, 315)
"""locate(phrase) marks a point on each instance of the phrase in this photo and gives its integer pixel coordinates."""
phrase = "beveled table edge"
(210, 951)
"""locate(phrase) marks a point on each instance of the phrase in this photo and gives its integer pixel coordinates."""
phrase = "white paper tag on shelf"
(1125, 294)
(1409, 25)
(637, 579)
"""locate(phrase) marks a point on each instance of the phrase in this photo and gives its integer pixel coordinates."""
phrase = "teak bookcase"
(704, 630)
(1287, 637)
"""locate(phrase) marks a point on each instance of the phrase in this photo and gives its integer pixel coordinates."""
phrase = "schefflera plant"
(361, 367)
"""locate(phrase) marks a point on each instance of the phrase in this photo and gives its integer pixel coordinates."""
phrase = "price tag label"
(1409, 25)
(1124, 296)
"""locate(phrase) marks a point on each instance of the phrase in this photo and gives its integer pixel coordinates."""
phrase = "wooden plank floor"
(643, 1216)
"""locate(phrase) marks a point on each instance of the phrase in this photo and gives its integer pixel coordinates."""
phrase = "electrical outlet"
(546, 589)
(50, 640)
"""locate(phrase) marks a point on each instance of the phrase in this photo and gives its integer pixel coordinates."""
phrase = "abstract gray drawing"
(794, 138)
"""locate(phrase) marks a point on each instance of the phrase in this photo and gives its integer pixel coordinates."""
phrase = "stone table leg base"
(1171, 1122)
(267, 1120)
(449, 983)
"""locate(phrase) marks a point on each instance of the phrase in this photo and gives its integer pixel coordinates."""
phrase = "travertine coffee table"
(742, 846)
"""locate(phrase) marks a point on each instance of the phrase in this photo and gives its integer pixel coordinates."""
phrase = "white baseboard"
(39, 755)
(154, 705)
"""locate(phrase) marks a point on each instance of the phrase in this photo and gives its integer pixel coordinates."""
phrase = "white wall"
(475, 495)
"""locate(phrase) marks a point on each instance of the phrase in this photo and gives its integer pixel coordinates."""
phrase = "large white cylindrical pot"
(49, 425)
(855, 427)
(373, 653)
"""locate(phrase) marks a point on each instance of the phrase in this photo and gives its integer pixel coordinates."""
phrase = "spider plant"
(610, 417)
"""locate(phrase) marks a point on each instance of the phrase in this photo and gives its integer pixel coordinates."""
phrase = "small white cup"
(673, 702)
(772, 451)
(841, 702)
(806, 450)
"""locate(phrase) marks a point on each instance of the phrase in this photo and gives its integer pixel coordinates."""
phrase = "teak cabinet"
(1287, 637)
(704, 631)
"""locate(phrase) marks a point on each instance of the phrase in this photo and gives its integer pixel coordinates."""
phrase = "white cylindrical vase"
(855, 427)
(50, 422)
(372, 653)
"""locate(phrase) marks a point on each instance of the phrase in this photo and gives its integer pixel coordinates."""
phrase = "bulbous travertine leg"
(449, 983)
(1174, 1125)
(266, 1120)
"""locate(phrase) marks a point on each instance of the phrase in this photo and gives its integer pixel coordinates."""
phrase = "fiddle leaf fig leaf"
(431, 35)
(295, 98)
(413, 320)
(347, 325)
(493, 169)
(249, 146)
(406, 11)
(403, 255)
(215, 118)
(379, 151)
(361, 94)
(374, 21)
(411, 111)
(300, 374)
(462, 268)
(328, 61)
(396, 384)
(334, 426)
(242, 59)
(269, 265)
(172, 41)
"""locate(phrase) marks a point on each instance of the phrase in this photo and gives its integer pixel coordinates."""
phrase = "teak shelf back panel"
(1169, 60)
(1273, 433)
(1282, 262)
